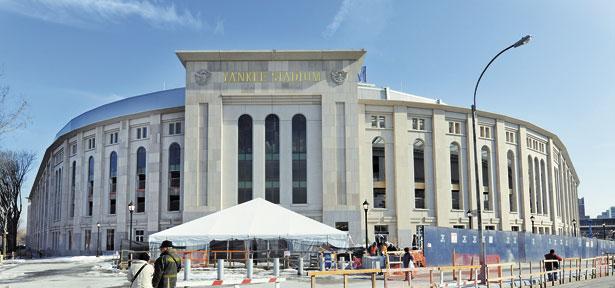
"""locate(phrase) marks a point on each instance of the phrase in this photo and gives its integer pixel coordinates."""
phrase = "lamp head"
(603, 224)
(526, 39)
(131, 207)
(469, 213)
(532, 218)
(98, 225)
(365, 205)
(574, 221)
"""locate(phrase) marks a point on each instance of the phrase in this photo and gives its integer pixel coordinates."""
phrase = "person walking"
(549, 266)
(166, 267)
(141, 272)
(408, 261)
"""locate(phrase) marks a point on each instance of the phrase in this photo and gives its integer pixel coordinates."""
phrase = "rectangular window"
(485, 132)
(70, 239)
(73, 149)
(459, 226)
(144, 132)
(489, 227)
(110, 239)
(456, 197)
(454, 127)
(171, 128)
(382, 232)
(514, 228)
(419, 198)
(374, 121)
(174, 183)
(418, 124)
(178, 128)
(380, 197)
(381, 121)
(87, 238)
(342, 226)
(139, 235)
(138, 133)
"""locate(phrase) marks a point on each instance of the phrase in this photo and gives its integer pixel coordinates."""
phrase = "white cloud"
(86, 12)
(219, 28)
(339, 18)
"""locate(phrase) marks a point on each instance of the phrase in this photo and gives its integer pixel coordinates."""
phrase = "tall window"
(73, 174)
(530, 172)
(455, 187)
(90, 185)
(272, 159)
(110, 239)
(512, 199)
(299, 159)
(486, 171)
(87, 239)
(174, 176)
(141, 179)
(545, 194)
(419, 174)
(244, 165)
(112, 182)
(538, 188)
(378, 168)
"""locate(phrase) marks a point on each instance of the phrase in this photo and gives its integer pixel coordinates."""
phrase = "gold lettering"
(273, 76)
(316, 76)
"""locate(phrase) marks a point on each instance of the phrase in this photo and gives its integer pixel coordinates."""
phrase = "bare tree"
(12, 110)
(14, 166)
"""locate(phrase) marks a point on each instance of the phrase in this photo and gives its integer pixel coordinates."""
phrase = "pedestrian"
(408, 262)
(373, 250)
(140, 273)
(166, 267)
(550, 266)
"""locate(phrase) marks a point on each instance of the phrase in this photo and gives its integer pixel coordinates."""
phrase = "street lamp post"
(574, 227)
(365, 208)
(131, 209)
(479, 215)
(603, 230)
(98, 242)
(469, 214)
(533, 228)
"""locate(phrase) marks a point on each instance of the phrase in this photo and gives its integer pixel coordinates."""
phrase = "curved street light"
(526, 39)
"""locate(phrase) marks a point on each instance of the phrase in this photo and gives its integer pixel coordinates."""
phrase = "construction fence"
(449, 246)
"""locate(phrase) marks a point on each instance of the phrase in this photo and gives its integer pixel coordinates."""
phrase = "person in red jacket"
(549, 266)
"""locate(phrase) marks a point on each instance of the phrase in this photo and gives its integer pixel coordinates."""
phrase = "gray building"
(296, 128)
(582, 208)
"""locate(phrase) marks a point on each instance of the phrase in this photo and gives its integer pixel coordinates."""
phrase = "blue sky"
(68, 56)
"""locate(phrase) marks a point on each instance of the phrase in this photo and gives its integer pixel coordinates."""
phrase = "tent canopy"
(258, 219)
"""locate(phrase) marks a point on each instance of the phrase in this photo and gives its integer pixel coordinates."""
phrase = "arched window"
(90, 185)
(112, 182)
(299, 127)
(545, 194)
(174, 177)
(512, 182)
(379, 173)
(272, 159)
(418, 151)
(141, 179)
(244, 164)
(530, 173)
(486, 177)
(455, 187)
(537, 185)
(73, 174)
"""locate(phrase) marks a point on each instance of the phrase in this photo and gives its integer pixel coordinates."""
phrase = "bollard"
(322, 264)
(276, 267)
(300, 270)
(187, 269)
(342, 264)
(220, 267)
(250, 268)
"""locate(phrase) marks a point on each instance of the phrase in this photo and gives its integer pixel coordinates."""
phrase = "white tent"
(255, 219)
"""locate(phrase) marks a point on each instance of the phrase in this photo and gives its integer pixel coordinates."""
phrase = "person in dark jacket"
(408, 260)
(549, 266)
(166, 267)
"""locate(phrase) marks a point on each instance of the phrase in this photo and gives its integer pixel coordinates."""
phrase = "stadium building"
(300, 129)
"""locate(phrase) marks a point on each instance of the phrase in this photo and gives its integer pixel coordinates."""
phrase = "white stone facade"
(340, 170)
